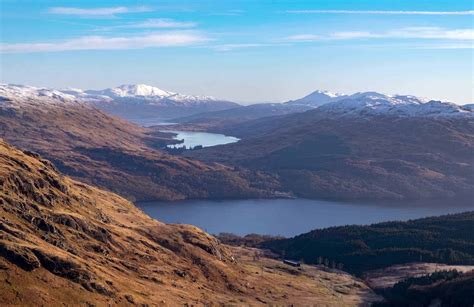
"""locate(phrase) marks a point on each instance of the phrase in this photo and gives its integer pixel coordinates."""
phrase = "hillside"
(65, 242)
(216, 120)
(447, 239)
(330, 153)
(446, 288)
(232, 118)
(103, 150)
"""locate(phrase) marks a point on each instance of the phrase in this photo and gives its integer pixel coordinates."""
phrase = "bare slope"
(65, 242)
(97, 148)
(369, 157)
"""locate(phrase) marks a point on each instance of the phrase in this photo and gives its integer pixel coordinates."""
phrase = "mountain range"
(142, 102)
(137, 102)
(63, 233)
(101, 149)
(367, 146)
(358, 104)
(361, 146)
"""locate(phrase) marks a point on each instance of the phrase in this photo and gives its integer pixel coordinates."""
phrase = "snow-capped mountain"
(316, 99)
(132, 90)
(142, 92)
(373, 103)
(16, 93)
(133, 102)
(144, 103)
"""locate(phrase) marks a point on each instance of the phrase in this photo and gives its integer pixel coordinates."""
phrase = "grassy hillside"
(109, 152)
(63, 242)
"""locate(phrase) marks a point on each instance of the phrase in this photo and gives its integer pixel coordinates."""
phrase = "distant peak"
(326, 93)
(370, 94)
(140, 90)
(317, 98)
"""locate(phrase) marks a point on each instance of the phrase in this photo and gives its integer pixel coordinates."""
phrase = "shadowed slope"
(373, 157)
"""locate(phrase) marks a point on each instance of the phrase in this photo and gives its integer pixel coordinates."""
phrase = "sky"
(243, 50)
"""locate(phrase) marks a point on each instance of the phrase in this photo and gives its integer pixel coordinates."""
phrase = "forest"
(446, 239)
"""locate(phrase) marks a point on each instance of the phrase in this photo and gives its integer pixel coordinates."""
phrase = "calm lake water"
(288, 217)
(205, 139)
(191, 139)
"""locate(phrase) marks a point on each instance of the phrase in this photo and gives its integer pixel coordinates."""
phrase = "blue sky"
(247, 51)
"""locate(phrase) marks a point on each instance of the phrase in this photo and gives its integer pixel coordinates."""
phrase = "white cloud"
(447, 46)
(381, 12)
(403, 33)
(304, 37)
(97, 12)
(230, 47)
(169, 39)
(160, 23)
(433, 33)
(354, 35)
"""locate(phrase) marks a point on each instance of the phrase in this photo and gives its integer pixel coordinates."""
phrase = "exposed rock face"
(62, 241)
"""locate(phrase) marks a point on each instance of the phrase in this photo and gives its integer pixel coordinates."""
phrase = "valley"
(112, 153)
(380, 157)
(98, 248)
(338, 179)
(236, 153)
(339, 147)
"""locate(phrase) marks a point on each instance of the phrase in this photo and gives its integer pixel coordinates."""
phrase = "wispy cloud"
(160, 23)
(381, 12)
(98, 12)
(230, 47)
(169, 39)
(446, 46)
(304, 37)
(403, 33)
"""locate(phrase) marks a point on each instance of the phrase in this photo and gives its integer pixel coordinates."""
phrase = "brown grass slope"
(65, 242)
(106, 151)
(348, 158)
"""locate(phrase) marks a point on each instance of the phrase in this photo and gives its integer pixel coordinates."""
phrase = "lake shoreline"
(288, 217)
(465, 201)
(193, 139)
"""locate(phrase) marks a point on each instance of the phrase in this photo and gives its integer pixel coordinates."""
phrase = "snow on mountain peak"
(377, 98)
(316, 99)
(373, 103)
(144, 93)
(14, 91)
(326, 93)
(144, 90)
(365, 103)
(361, 103)
(127, 93)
